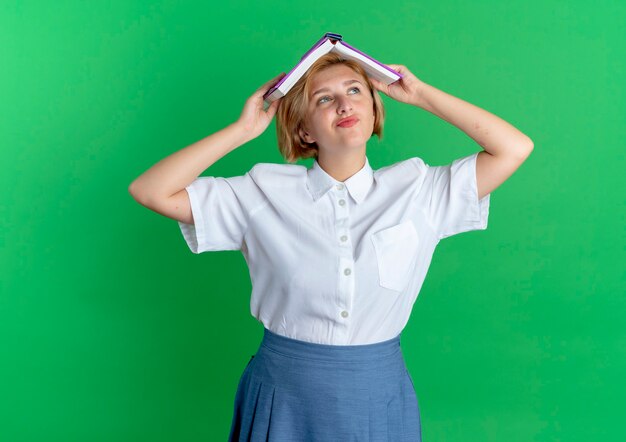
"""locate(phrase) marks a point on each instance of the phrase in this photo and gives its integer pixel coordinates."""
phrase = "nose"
(344, 105)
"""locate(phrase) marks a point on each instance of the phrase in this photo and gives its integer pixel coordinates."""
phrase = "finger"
(397, 68)
(267, 85)
(278, 76)
(262, 91)
(378, 85)
(273, 80)
(271, 111)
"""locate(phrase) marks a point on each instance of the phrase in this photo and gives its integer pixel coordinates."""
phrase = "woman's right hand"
(254, 119)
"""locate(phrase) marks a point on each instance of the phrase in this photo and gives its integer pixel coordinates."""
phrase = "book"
(330, 42)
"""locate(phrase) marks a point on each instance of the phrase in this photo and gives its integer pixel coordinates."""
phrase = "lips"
(347, 122)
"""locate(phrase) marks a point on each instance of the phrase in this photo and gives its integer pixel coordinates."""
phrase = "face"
(344, 93)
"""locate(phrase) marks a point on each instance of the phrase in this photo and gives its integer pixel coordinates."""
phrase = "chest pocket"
(396, 249)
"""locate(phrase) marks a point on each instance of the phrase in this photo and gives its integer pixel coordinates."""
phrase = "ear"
(305, 136)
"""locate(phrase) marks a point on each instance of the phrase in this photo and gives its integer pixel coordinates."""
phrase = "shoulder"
(274, 173)
(407, 169)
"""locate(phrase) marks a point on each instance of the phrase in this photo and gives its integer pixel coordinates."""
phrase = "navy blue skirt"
(293, 390)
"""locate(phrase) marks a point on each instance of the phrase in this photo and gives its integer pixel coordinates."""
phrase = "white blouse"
(335, 262)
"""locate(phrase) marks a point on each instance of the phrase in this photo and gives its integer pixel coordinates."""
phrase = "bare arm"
(162, 187)
(505, 147)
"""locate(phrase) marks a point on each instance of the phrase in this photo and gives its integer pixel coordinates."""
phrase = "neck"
(341, 167)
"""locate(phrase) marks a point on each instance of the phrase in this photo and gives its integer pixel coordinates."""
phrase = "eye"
(326, 96)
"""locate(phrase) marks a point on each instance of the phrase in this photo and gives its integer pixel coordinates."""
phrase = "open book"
(330, 43)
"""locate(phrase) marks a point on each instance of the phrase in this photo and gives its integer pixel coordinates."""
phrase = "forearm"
(492, 133)
(177, 171)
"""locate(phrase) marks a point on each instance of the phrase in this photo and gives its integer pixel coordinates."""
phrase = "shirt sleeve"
(220, 208)
(452, 198)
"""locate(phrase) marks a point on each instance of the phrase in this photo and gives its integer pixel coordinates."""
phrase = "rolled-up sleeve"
(220, 213)
(452, 198)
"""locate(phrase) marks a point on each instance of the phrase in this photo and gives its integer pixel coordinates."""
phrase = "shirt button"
(344, 314)
(344, 238)
(347, 271)
(342, 202)
(339, 186)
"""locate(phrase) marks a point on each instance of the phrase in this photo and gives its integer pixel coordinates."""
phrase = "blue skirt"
(293, 390)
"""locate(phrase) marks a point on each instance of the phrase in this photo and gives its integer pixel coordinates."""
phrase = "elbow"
(531, 146)
(134, 192)
(527, 149)
(529, 143)
(131, 188)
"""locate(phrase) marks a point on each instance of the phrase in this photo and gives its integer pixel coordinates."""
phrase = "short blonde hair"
(291, 112)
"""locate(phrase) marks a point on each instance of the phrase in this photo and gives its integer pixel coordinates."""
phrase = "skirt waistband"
(333, 353)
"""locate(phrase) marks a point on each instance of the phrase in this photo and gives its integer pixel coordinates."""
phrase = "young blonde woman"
(337, 252)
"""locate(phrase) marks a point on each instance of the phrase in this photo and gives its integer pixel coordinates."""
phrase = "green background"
(112, 330)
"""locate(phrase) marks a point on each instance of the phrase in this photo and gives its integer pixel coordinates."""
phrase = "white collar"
(319, 182)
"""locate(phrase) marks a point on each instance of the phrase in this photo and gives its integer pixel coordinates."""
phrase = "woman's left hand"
(406, 90)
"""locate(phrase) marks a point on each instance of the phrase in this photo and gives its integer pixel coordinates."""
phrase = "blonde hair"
(291, 113)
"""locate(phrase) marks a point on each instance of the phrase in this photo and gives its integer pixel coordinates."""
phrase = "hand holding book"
(406, 90)
(254, 119)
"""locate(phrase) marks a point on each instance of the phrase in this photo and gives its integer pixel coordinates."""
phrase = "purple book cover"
(334, 39)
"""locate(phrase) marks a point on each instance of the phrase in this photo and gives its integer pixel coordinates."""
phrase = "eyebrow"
(345, 83)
